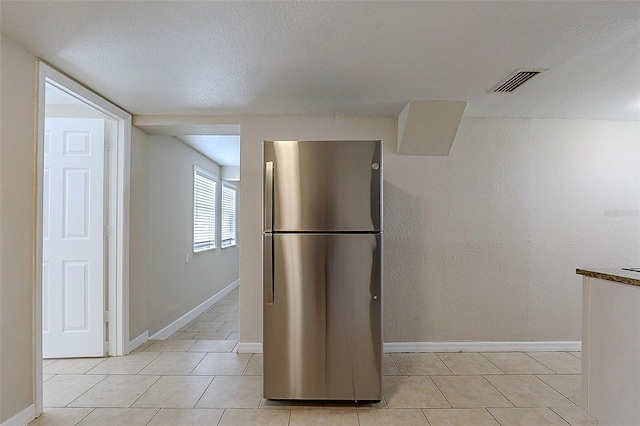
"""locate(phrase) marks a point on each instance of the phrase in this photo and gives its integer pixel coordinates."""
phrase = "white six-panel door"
(73, 238)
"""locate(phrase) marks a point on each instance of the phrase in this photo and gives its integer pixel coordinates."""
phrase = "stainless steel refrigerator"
(322, 257)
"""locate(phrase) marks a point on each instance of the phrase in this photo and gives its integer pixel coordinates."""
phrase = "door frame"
(117, 266)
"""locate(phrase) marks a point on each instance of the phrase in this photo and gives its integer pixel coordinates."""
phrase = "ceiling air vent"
(515, 80)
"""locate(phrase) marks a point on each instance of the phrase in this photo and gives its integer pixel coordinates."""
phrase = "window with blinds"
(204, 210)
(228, 222)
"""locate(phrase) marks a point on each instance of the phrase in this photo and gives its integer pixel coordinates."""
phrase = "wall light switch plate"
(186, 258)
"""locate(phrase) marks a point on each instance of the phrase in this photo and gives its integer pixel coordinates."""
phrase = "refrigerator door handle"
(267, 269)
(268, 196)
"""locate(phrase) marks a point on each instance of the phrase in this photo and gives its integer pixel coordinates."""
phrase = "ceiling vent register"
(515, 80)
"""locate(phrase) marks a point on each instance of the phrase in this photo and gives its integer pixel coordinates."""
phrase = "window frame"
(204, 246)
(229, 186)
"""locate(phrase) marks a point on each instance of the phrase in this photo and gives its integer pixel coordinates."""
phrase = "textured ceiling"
(223, 149)
(341, 57)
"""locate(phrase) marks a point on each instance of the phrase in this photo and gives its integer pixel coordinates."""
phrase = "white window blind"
(228, 223)
(204, 210)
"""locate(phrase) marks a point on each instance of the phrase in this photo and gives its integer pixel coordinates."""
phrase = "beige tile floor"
(196, 378)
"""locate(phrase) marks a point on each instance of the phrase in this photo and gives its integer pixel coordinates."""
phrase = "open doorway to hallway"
(184, 236)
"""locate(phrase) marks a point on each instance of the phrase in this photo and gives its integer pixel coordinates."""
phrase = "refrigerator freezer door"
(323, 331)
(325, 186)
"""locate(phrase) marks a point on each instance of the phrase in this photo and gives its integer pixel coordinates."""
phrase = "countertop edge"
(619, 276)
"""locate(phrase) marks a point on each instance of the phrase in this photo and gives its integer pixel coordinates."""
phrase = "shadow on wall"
(405, 263)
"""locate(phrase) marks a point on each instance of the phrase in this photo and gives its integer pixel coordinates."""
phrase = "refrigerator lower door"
(323, 322)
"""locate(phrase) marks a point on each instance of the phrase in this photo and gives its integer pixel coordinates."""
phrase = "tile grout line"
(425, 416)
(445, 364)
(136, 400)
(205, 391)
(559, 415)
(154, 415)
(561, 393)
(498, 390)
(491, 414)
(494, 364)
(553, 389)
(84, 417)
(94, 385)
(440, 390)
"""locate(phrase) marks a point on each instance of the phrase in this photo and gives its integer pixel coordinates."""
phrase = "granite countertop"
(617, 275)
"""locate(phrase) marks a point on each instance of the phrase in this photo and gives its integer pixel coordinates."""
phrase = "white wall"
(176, 287)
(139, 234)
(17, 217)
(483, 244)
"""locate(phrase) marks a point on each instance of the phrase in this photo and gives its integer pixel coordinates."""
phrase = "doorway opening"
(82, 224)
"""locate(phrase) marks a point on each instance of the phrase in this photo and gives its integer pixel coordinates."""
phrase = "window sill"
(202, 250)
(229, 246)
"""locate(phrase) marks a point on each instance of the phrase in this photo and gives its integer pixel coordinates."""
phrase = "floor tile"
(213, 335)
(399, 416)
(173, 363)
(46, 362)
(213, 346)
(246, 416)
(46, 377)
(528, 391)
(412, 392)
(420, 364)
(323, 418)
(174, 392)
(576, 354)
(254, 367)
(226, 316)
(291, 405)
(223, 364)
(389, 367)
(233, 294)
(170, 345)
(465, 364)
(560, 362)
(72, 365)
(234, 336)
(516, 363)
(143, 346)
(233, 392)
(470, 392)
(62, 389)
(184, 417)
(118, 416)
(223, 308)
(223, 302)
(526, 417)
(115, 391)
(232, 326)
(205, 326)
(208, 316)
(128, 364)
(575, 416)
(61, 416)
(183, 335)
(460, 417)
(568, 385)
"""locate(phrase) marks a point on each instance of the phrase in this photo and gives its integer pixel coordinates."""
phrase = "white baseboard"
(23, 418)
(193, 314)
(249, 348)
(139, 340)
(561, 346)
(391, 347)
